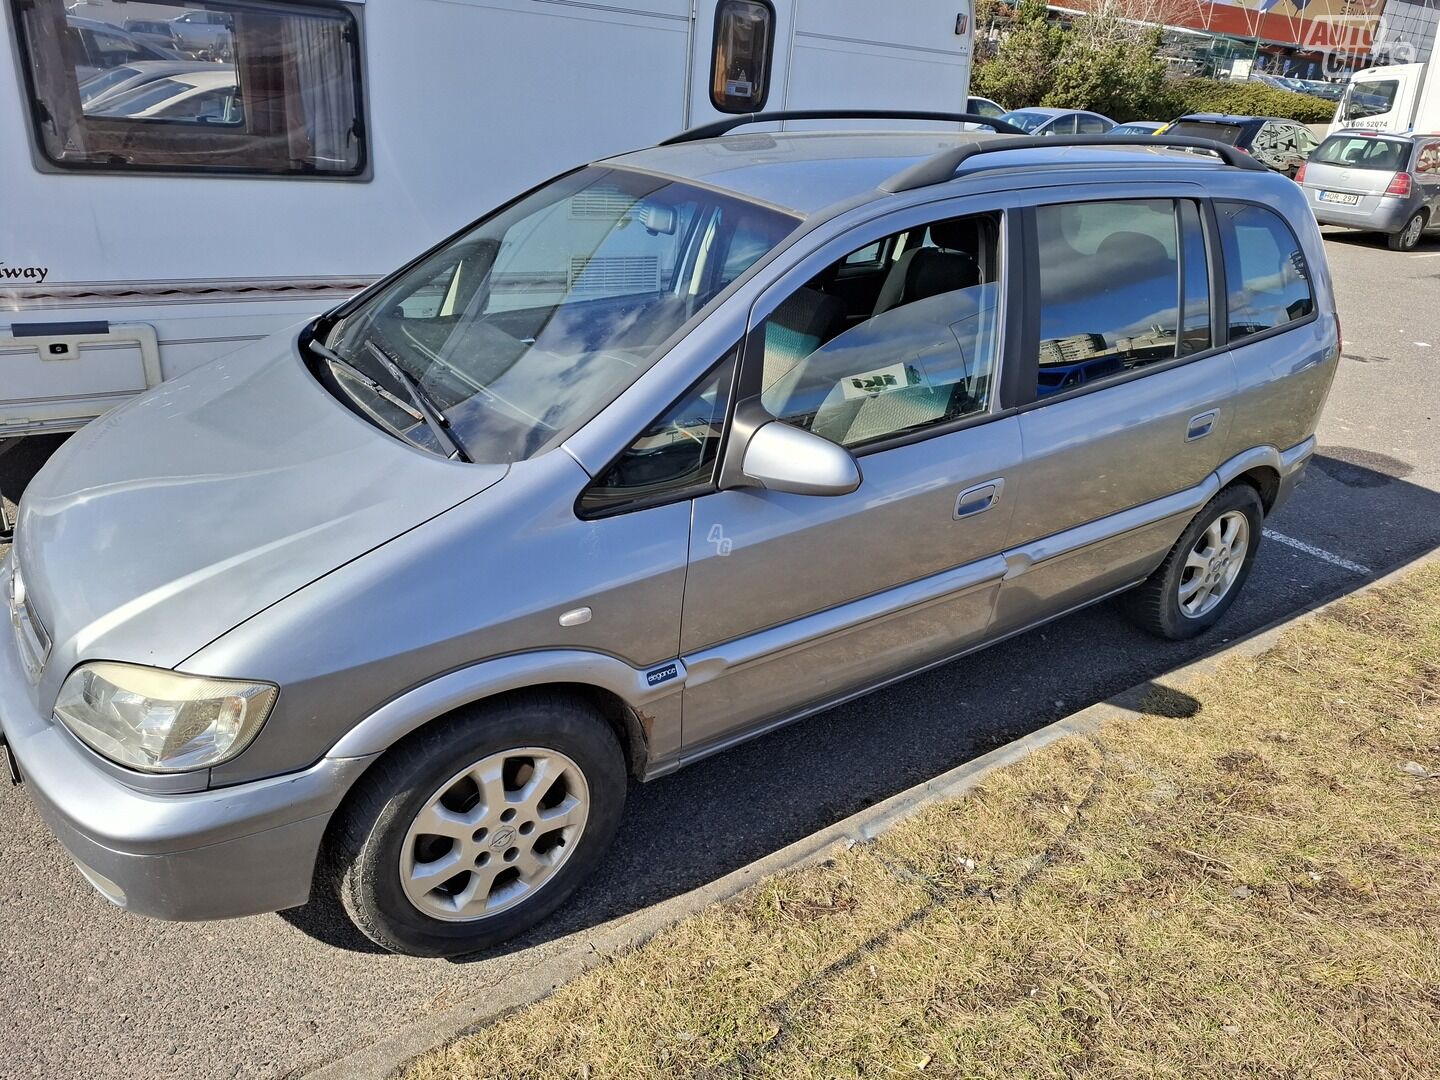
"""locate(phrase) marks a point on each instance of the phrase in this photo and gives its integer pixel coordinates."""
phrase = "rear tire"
(1202, 575)
(491, 878)
(1408, 237)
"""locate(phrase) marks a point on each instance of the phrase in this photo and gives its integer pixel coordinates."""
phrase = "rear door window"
(248, 87)
(1267, 275)
(1427, 160)
(1111, 289)
(1091, 125)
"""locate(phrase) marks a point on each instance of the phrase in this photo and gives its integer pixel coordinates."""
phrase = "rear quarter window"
(1267, 275)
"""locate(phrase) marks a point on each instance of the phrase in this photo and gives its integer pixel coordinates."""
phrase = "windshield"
(1364, 99)
(523, 328)
(1363, 152)
(1026, 120)
(92, 88)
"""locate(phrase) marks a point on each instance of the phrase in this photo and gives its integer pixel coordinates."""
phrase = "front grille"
(30, 633)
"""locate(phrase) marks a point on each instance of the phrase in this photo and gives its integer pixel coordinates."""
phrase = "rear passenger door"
(1129, 397)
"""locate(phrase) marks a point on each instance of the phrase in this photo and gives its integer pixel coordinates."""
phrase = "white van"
(169, 196)
(1400, 98)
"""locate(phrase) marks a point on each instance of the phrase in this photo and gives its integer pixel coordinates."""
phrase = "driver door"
(793, 602)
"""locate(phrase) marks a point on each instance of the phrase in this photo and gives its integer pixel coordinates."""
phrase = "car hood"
(169, 521)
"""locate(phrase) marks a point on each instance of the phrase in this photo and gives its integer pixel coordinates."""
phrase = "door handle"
(978, 499)
(1201, 425)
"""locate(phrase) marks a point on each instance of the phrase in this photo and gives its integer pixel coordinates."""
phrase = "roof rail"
(941, 168)
(722, 127)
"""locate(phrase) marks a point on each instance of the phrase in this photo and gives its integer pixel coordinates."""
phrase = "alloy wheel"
(1413, 229)
(494, 834)
(1214, 563)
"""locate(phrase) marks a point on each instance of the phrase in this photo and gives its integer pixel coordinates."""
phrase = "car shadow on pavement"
(1429, 241)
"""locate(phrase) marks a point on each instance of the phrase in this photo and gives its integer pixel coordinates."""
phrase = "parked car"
(984, 107)
(1321, 89)
(204, 33)
(1279, 144)
(383, 610)
(100, 88)
(1381, 183)
(207, 96)
(153, 31)
(99, 46)
(1138, 127)
(1058, 121)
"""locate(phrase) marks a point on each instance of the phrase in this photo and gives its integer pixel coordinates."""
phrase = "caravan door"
(754, 55)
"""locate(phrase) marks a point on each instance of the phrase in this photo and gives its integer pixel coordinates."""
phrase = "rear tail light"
(1300, 173)
(1399, 184)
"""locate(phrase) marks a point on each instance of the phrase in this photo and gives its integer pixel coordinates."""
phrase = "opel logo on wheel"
(503, 838)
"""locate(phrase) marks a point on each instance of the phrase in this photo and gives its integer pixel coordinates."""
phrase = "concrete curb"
(383, 1059)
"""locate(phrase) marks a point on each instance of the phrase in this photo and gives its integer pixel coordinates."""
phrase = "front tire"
(478, 827)
(1205, 570)
(1408, 237)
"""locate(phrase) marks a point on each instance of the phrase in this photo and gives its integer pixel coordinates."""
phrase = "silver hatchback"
(1381, 183)
(385, 613)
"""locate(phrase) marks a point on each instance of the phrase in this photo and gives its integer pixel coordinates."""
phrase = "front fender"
(653, 694)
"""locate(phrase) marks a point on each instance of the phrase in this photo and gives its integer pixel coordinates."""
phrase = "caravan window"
(234, 87)
(744, 37)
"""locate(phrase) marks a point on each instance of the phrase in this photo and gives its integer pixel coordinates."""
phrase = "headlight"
(161, 721)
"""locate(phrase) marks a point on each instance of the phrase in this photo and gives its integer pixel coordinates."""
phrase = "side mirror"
(779, 457)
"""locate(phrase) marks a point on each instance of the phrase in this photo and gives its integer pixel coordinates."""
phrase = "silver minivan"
(1381, 183)
(386, 612)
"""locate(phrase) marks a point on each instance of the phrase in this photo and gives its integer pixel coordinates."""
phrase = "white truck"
(1400, 98)
(149, 234)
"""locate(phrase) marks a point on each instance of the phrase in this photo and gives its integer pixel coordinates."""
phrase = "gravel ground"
(93, 991)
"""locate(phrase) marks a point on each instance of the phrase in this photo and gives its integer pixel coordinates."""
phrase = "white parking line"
(1319, 553)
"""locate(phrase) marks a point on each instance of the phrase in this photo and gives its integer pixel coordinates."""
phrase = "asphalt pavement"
(91, 991)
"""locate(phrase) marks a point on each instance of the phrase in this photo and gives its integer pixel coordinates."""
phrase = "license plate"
(1339, 197)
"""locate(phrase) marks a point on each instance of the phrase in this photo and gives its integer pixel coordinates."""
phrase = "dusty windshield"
(521, 330)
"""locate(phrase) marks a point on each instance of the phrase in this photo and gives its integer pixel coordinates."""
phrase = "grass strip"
(1242, 881)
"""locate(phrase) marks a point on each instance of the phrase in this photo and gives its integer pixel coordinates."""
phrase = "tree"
(1118, 74)
(1022, 70)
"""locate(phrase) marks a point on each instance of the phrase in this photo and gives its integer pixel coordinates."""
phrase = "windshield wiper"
(335, 360)
(432, 413)
(417, 408)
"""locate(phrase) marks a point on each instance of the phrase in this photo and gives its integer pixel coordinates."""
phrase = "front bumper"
(213, 854)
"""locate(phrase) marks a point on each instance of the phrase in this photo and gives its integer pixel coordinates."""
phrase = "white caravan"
(1399, 98)
(329, 142)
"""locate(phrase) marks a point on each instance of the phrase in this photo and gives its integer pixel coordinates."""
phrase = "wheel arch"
(1265, 479)
(645, 719)
(1268, 470)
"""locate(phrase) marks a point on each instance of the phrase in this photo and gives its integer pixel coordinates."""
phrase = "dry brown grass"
(1250, 891)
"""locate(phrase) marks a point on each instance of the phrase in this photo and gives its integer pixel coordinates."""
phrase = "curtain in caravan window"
(324, 82)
